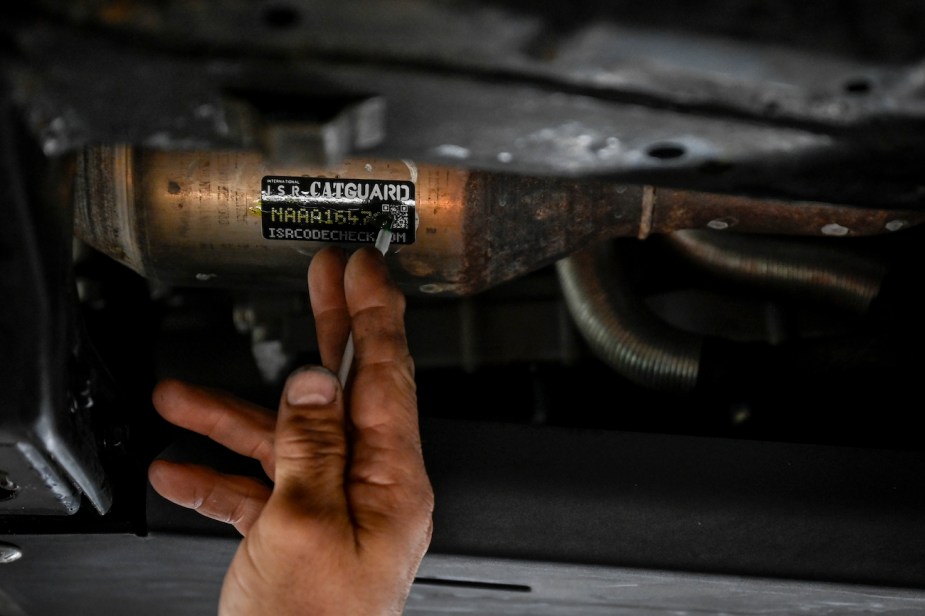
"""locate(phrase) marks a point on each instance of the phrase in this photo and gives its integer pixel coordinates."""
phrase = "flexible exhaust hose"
(820, 273)
(623, 332)
(619, 327)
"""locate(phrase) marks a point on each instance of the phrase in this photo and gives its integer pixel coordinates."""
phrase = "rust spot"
(676, 210)
(515, 224)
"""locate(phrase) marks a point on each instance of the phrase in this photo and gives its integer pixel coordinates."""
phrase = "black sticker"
(336, 209)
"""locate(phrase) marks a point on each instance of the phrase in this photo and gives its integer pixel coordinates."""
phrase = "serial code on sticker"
(336, 209)
(332, 235)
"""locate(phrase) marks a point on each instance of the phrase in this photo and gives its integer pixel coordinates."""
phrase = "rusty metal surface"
(193, 218)
(516, 224)
(678, 209)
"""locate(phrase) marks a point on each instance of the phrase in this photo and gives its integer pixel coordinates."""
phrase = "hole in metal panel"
(858, 85)
(666, 151)
(281, 17)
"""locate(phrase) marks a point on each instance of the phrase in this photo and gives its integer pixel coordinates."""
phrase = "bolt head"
(835, 229)
(9, 553)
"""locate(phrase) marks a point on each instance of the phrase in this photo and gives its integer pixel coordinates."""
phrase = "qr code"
(399, 215)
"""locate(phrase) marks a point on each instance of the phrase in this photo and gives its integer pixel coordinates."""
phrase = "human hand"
(349, 517)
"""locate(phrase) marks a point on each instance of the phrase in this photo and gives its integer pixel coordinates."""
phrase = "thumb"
(311, 442)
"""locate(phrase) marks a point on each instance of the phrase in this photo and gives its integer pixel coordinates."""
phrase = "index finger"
(329, 306)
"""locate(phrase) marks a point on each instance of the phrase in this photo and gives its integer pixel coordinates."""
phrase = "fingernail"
(313, 386)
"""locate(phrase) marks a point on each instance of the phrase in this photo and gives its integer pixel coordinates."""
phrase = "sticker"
(336, 209)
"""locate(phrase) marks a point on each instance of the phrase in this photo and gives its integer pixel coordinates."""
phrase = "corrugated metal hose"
(623, 332)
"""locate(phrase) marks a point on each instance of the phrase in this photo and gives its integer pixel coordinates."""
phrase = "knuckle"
(263, 452)
(312, 439)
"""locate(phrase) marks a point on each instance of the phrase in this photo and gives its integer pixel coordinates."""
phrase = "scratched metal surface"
(822, 102)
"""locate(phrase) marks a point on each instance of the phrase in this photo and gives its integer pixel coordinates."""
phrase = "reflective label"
(336, 209)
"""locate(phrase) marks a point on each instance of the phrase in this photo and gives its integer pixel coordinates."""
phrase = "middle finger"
(329, 305)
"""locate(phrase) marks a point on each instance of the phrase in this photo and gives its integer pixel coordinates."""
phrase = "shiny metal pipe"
(194, 218)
